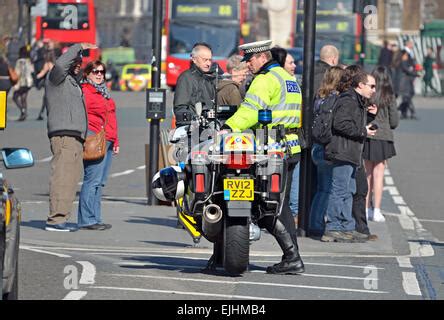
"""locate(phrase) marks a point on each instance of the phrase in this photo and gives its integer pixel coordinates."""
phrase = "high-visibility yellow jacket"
(274, 89)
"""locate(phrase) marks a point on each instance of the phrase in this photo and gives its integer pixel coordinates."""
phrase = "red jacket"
(97, 106)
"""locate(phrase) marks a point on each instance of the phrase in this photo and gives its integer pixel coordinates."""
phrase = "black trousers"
(359, 198)
(286, 217)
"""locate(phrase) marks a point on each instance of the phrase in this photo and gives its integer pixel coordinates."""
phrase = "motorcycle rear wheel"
(236, 245)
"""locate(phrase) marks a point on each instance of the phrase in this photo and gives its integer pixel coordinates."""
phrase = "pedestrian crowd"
(348, 168)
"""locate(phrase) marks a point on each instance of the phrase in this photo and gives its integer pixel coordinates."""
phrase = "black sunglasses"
(96, 72)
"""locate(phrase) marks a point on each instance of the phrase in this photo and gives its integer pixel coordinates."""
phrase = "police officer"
(274, 89)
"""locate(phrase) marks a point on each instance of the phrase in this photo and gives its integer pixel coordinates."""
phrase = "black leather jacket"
(348, 128)
(193, 86)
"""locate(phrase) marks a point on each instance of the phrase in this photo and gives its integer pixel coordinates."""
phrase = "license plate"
(239, 189)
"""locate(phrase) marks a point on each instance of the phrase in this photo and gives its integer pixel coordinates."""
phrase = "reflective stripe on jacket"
(278, 91)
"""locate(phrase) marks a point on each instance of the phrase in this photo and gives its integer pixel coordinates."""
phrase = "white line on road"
(399, 200)
(267, 284)
(404, 262)
(141, 167)
(75, 295)
(392, 190)
(389, 181)
(118, 174)
(410, 284)
(204, 258)
(185, 266)
(429, 220)
(421, 249)
(186, 293)
(60, 255)
(88, 272)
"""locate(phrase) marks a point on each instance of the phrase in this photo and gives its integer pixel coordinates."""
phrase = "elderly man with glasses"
(195, 89)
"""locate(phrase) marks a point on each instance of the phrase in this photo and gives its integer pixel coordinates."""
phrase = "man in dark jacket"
(329, 57)
(349, 130)
(195, 89)
(385, 55)
(67, 126)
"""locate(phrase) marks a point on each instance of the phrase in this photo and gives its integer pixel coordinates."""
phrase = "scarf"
(101, 88)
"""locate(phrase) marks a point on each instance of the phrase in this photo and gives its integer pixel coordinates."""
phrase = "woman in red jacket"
(101, 112)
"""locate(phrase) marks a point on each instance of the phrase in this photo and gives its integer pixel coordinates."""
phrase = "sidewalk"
(137, 226)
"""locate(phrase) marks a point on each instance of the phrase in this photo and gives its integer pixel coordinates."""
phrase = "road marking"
(201, 250)
(75, 295)
(389, 180)
(141, 167)
(60, 255)
(406, 222)
(429, 220)
(399, 200)
(410, 284)
(421, 249)
(118, 174)
(204, 258)
(392, 190)
(409, 222)
(186, 293)
(88, 272)
(188, 266)
(404, 262)
(267, 284)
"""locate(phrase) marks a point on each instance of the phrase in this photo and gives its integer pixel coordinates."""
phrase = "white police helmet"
(169, 184)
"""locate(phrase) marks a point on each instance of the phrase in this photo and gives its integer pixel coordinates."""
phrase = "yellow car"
(135, 77)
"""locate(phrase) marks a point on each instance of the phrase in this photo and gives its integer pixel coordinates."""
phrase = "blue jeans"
(294, 191)
(95, 177)
(320, 200)
(340, 202)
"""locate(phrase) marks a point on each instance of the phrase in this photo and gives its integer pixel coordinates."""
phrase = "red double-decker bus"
(218, 22)
(68, 22)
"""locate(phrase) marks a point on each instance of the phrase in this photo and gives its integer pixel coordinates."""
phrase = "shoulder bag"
(13, 76)
(94, 147)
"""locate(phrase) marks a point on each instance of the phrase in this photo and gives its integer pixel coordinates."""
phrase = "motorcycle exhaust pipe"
(212, 221)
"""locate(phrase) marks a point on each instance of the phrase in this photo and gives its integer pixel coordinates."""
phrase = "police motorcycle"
(225, 183)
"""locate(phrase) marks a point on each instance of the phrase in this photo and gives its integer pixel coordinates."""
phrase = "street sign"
(40, 9)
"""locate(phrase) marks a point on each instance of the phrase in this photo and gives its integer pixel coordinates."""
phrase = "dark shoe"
(287, 266)
(372, 237)
(39, 117)
(59, 227)
(336, 236)
(106, 225)
(413, 117)
(96, 226)
(357, 236)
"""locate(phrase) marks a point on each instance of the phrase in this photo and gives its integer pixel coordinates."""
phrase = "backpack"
(323, 119)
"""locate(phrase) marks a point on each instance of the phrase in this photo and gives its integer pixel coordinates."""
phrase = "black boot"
(22, 115)
(291, 260)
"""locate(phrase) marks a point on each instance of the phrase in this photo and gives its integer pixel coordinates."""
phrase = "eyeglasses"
(96, 72)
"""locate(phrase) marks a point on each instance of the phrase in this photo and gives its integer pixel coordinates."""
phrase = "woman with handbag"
(24, 69)
(101, 111)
